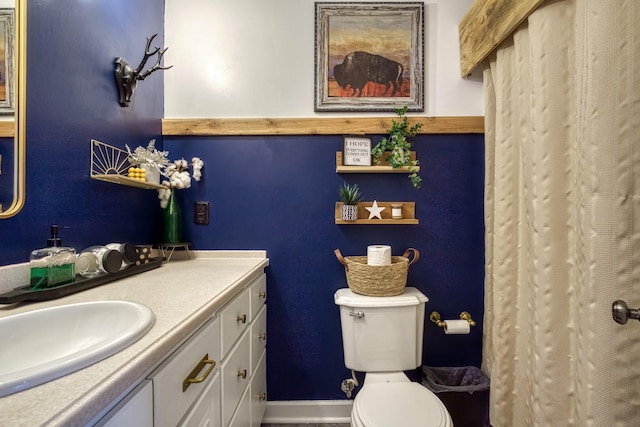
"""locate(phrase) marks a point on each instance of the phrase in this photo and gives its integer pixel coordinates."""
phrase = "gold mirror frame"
(19, 138)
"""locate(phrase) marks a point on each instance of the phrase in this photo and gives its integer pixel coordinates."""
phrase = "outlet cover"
(201, 215)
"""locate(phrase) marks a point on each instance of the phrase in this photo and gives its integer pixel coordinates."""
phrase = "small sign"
(356, 151)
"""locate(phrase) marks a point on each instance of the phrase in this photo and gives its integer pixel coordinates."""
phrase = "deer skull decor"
(127, 77)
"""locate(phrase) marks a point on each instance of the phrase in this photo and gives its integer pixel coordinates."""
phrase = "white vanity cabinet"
(142, 385)
(216, 377)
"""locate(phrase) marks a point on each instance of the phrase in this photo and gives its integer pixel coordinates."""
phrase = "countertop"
(181, 293)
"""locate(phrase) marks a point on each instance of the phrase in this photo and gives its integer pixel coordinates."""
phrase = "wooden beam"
(316, 126)
(487, 24)
(7, 128)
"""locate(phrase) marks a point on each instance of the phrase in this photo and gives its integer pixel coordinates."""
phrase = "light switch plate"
(201, 215)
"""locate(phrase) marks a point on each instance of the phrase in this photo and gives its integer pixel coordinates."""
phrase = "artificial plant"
(396, 148)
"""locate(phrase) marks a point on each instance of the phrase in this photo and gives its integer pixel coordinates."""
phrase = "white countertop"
(181, 293)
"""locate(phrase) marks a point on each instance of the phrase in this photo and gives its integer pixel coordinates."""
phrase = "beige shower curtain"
(562, 212)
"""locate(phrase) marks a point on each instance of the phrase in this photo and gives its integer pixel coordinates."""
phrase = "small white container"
(396, 210)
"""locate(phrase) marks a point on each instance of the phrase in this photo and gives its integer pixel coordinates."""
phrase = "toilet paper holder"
(465, 315)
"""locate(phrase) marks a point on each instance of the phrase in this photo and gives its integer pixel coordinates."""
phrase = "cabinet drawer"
(259, 392)
(242, 417)
(171, 401)
(258, 337)
(235, 318)
(235, 377)
(258, 294)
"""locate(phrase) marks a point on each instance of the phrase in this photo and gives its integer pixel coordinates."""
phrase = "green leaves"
(350, 194)
(396, 148)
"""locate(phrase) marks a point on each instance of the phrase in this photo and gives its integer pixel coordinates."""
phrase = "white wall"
(255, 58)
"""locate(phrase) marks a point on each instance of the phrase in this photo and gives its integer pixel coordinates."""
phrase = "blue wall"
(278, 193)
(72, 98)
(274, 193)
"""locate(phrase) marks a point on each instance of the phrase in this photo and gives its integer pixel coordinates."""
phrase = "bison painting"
(359, 68)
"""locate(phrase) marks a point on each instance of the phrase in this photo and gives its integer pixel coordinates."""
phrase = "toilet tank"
(382, 333)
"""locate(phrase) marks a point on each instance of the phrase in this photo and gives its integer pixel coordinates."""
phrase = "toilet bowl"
(382, 337)
(391, 401)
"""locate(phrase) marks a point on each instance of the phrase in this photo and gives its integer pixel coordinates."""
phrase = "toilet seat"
(406, 404)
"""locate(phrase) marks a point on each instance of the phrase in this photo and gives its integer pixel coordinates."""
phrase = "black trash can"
(464, 391)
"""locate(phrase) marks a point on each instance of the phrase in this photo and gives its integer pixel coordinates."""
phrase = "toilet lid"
(394, 404)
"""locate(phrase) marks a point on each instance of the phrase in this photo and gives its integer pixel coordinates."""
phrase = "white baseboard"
(308, 411)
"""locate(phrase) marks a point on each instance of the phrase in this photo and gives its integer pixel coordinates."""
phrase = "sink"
(42, 345)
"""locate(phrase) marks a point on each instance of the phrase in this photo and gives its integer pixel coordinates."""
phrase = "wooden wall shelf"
(123, 180)
(109, 164)
(408, 214)
(340, 168)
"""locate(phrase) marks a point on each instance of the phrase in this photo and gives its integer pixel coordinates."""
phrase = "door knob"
(622, 313)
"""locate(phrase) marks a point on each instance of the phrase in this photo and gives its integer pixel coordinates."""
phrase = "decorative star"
(374, 210)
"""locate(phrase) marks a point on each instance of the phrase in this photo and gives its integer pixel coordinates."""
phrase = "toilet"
(382, 337)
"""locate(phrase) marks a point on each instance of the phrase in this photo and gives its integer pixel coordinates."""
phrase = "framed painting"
(369, 56)
(7, 27)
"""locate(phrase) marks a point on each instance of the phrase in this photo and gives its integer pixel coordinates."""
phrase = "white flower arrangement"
(149, 155)
(179, 177)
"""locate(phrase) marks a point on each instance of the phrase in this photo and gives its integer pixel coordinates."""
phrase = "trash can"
(464, 391)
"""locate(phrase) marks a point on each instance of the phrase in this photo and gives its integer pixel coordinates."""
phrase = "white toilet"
(382, 336)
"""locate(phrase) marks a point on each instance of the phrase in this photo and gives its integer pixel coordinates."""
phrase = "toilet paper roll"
(456, 327)
(379, 255)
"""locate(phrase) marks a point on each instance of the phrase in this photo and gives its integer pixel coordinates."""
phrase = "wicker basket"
(377, 280)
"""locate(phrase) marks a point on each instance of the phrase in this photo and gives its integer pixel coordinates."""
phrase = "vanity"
(202, 363)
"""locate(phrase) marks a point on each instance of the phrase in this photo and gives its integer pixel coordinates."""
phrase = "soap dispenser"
(52, 266)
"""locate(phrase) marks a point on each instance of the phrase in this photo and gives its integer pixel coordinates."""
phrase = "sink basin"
(46, 344)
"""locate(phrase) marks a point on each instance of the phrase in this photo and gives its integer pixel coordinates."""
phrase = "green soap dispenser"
(54, 265)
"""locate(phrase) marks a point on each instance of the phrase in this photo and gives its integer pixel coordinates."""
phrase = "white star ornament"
(374, 210)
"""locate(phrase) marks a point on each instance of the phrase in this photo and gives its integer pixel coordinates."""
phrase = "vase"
(349, 212)
(172, 232)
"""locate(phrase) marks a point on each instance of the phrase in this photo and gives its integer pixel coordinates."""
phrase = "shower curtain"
(562, 214)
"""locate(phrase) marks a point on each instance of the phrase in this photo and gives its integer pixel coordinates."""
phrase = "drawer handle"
(262, 336)
(242, 374)
(193, 378)
(262, 295)
(262, 396)
(242, 319)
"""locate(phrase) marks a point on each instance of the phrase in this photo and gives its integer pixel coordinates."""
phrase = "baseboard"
(308, 411)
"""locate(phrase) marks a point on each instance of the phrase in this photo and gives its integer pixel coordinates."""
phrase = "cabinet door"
(259, 391)
(135, 410)
(258, 337)
(206, 411)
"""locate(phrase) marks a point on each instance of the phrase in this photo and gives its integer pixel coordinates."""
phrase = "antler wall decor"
(127, 77)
